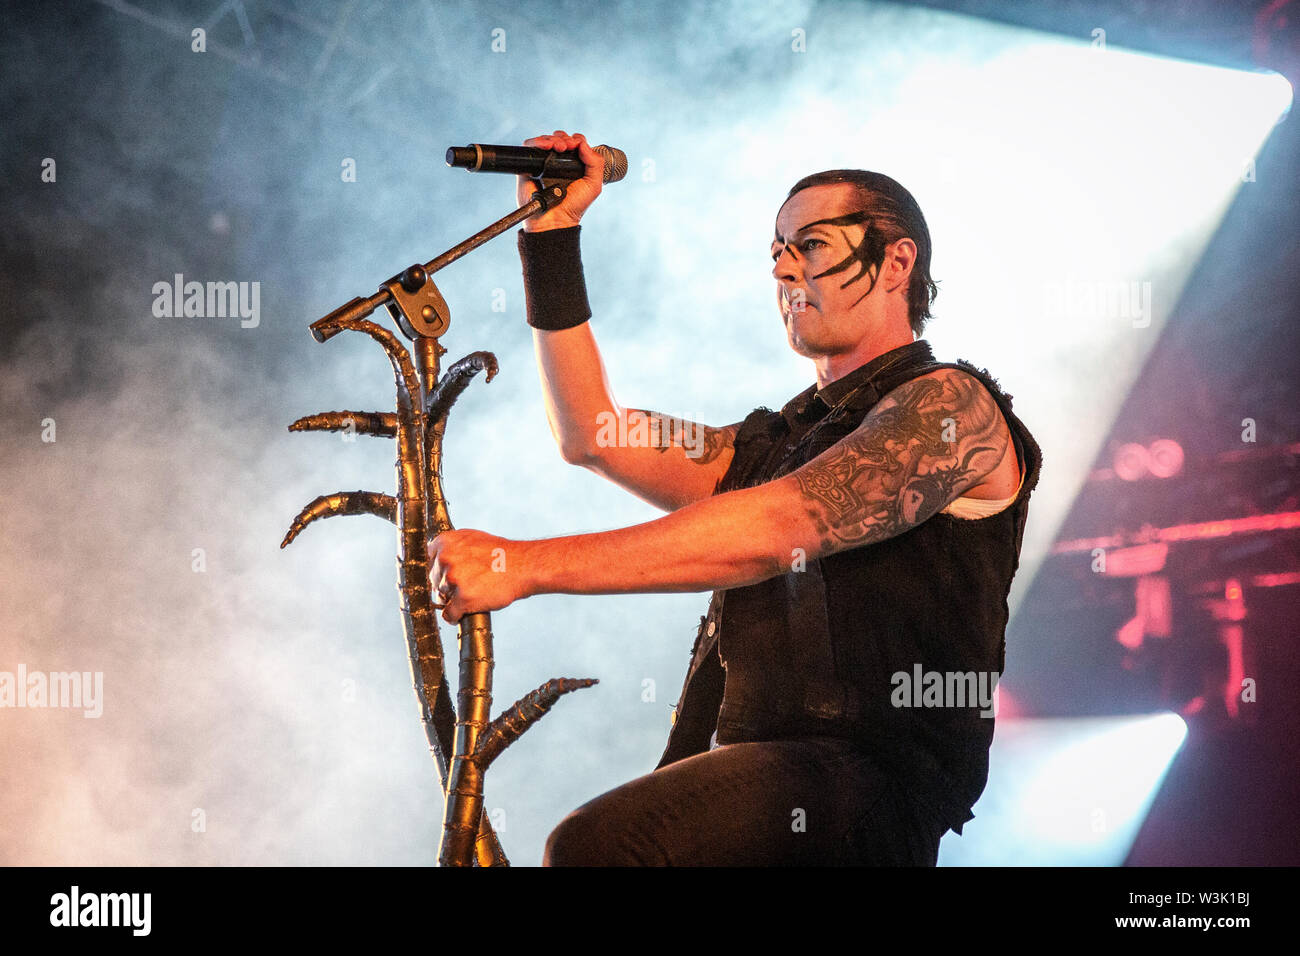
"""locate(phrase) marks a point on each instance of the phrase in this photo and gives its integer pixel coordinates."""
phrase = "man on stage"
(859, 541)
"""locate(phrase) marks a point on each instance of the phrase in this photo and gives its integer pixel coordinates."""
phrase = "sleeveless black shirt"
(814, 651)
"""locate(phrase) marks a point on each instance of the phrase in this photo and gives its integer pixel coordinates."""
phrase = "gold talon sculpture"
(364, 423)
(343, 503)
(463, 740)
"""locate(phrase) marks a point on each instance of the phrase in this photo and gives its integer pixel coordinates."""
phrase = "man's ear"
(900, 257)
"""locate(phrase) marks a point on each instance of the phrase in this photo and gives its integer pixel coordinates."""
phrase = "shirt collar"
(813, 403)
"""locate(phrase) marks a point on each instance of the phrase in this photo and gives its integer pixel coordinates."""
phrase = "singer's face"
(827, 295)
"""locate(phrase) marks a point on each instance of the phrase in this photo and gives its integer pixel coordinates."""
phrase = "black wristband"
(555, 292)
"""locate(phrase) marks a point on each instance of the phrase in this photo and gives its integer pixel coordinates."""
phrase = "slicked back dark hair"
(894, 214)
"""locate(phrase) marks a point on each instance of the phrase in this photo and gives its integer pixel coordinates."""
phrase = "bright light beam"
(1067, 792)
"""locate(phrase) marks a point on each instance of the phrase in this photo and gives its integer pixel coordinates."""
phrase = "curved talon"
(383, 424)
(455, 380)
(343, 503)
(514, 720)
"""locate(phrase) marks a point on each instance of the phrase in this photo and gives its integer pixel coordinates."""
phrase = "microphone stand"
(419, 511)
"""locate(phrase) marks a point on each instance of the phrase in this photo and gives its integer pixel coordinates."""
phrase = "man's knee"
(587, 838)
(576, 841)
(562, 846)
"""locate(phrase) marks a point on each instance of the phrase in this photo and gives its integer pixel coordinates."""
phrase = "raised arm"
(669, 462)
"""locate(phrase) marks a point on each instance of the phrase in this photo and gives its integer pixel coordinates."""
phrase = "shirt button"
(713, 626)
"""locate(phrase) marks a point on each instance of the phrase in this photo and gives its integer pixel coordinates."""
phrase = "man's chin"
(793, 333)
(799, 345)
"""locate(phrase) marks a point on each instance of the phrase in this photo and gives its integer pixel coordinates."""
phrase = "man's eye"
(805, 246)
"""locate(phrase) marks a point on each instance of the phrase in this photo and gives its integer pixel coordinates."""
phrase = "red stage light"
(1131, 461)
(1165, 458)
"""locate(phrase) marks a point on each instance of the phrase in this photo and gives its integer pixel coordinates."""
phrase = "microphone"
(534, 162)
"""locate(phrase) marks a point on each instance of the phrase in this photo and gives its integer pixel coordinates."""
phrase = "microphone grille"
(615, 163)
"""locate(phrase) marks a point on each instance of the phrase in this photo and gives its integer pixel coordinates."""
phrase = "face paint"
(867, 254)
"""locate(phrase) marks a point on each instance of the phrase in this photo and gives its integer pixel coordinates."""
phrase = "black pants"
(810, 801)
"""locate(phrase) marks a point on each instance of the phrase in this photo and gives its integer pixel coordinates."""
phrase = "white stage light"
(1067, 792)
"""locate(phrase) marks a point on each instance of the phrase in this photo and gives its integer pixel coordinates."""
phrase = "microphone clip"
(550, 192)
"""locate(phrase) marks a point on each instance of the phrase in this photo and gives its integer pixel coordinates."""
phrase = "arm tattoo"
(702, 443)
(924, 444)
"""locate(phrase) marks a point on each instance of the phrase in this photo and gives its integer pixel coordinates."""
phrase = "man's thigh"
(786, 802)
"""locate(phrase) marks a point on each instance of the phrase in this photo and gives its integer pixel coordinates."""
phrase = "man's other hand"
(472, 571)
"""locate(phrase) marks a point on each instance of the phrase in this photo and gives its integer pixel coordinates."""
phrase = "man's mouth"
(788, 307)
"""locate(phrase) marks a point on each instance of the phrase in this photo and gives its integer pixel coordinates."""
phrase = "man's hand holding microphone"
(581, 192)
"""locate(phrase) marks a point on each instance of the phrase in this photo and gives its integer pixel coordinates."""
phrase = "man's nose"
(785, 266)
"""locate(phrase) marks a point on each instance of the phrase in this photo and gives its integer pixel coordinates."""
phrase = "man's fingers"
(437, 572)
(562, 142)
(594, 162)
(450, 609)
(559, 141)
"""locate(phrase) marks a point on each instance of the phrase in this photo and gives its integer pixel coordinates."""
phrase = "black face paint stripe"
(850, 219)
(857, 253)
(785, 245)
(867, 254)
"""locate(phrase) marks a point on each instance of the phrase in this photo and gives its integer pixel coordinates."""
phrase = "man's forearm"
(725, 541)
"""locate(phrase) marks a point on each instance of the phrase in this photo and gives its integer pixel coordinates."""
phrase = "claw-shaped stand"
(420, 512)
